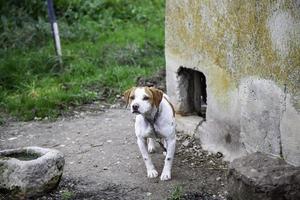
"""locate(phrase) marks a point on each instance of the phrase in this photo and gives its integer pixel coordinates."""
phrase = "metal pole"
(54, 29)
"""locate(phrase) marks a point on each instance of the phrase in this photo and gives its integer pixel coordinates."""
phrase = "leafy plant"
(66, 195)
(176, 193)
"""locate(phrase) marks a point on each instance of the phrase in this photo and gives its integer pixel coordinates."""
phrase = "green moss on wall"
(235, 36)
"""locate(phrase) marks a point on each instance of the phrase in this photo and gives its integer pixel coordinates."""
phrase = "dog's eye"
(145, 98)
(131, 97)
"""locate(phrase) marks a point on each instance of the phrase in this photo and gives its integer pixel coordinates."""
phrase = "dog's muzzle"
(135, 108)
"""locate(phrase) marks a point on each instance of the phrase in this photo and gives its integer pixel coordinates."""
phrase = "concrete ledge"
(258, 176)
(189, 125)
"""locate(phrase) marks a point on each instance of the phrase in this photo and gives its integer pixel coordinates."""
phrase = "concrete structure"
(244, 56)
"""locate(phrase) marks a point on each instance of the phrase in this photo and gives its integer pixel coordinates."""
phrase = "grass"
(176, 193)
(67, 195)
(101, 51)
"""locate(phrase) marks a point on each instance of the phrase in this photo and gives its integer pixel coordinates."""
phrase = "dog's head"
(143, 99)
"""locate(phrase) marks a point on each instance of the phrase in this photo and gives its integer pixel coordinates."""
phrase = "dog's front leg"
(166, 173)
(151, 172)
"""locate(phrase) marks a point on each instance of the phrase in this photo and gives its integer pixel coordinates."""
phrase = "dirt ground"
(103, 160)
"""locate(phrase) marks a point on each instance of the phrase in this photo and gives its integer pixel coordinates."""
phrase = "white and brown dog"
(155, 118)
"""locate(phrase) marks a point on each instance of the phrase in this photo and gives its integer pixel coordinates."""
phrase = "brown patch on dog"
(127, 94)
(155, 95)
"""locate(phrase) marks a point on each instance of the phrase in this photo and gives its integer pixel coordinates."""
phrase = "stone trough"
(30, 171)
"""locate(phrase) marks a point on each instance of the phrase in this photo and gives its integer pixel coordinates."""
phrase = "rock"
(186, 143)
(258, 176)
(30, 171)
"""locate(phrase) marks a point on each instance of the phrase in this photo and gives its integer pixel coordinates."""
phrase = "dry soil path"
(103, 160)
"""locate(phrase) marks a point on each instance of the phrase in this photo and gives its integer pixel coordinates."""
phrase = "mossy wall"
(233, 43)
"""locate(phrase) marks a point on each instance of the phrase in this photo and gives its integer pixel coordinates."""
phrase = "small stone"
(109, 141)
(113, 106)
(37, 118)
(218, 178)
(186, 143)
(148, 194)
(211, 162)
(105, 168)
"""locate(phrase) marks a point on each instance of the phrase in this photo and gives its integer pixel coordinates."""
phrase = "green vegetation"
(106, 45)
(66, 195)
(176, 193)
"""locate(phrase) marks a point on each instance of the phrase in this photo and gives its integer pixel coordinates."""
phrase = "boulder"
(259, 176)
(30, 171)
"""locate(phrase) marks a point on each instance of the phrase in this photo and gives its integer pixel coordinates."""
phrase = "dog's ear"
(157, 96)
(127, 95)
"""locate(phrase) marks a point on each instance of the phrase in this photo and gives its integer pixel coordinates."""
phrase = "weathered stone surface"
(249, 52)
(261, 105)
(188, 124)
(258, 176)
(29, 171)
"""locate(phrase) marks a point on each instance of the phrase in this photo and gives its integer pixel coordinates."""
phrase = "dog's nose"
(135, 106)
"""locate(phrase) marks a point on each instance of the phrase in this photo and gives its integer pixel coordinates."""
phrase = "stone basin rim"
(40, 152)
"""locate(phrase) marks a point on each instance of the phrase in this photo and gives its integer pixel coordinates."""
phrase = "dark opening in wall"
(192, 92)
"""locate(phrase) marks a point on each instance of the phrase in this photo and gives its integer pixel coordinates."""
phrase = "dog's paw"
(165, 153)
(152, 173)
(151, 148)
(166, 175)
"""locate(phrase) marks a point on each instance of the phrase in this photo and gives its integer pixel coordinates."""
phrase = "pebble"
(108, 119)
(186, 143)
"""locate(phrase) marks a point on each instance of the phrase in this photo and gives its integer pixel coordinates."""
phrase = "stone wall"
(249, 52)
